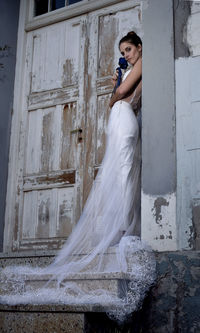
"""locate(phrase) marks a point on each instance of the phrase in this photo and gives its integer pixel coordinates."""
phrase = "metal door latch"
(79, 131)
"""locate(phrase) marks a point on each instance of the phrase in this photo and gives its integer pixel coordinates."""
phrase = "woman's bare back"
(135, 97)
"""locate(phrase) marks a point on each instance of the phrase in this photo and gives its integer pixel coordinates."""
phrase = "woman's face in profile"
(130, 52)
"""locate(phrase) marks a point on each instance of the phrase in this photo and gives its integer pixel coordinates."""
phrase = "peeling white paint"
(158, 227)
(56, 54)
(193, 30)
(188, 145)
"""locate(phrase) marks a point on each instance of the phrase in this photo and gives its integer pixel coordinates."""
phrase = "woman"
(127, 99)
(101, 242)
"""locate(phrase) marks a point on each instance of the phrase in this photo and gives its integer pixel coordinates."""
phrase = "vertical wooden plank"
(72, 53)
(30, 214)
(65, 219)
(47, 141)
(38, 61)
(33, 147)
(81, 119)
(47, 203)
(43, 218)
(103, 112)
(90, 105)
(57, 137)
(69, 140)
(108, 34)
(53, 58)
(50, 139)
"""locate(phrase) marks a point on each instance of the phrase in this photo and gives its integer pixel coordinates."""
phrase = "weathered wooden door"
(66, 89)
(52, 149)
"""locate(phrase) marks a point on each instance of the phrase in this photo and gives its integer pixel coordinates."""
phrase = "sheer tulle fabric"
(102, 241)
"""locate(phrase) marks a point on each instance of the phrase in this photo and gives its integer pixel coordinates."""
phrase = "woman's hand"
(114, 78)
(129, 84)
(111, 103)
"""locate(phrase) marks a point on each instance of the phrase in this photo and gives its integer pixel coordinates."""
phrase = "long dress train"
(105, 239)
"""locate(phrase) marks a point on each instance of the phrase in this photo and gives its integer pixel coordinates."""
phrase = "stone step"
(66, 318)
(61, 317)
(109, 282)
(51, 318)
(87, 282)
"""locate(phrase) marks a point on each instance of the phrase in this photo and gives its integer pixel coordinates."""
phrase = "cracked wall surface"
(174, 302)
(158, 221)
(158, 128)
(170, 111)
(187, 73)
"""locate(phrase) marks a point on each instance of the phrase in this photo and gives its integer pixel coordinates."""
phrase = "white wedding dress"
(105, 240)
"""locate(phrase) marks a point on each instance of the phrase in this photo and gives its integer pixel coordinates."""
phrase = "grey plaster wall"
(158, 108)
(9, 13)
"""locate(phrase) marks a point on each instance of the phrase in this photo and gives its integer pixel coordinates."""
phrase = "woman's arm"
(128, 85)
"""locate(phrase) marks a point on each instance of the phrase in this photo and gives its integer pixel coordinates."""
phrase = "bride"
(105, 242)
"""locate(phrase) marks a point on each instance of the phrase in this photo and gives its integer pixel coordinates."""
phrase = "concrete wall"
(159, 167)
(187, 72)
(9, 10)
(171, 117)
(158, 130)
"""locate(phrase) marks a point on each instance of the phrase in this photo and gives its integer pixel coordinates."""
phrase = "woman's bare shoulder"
(132, 78)
(136, 69)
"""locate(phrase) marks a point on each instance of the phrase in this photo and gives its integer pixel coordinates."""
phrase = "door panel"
(50, 144)
(56, 52)
(47, 217)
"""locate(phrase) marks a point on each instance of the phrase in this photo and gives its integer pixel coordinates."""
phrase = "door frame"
(28, 23)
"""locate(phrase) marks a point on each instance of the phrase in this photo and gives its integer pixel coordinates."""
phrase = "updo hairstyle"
(131, 38)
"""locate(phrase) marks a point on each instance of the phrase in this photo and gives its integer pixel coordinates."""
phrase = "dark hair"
(132, 38)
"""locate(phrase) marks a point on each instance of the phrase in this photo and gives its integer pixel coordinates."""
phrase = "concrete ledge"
(41, 322)
(72, 308)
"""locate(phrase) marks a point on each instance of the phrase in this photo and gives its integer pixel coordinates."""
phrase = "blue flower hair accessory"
(123, 64)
